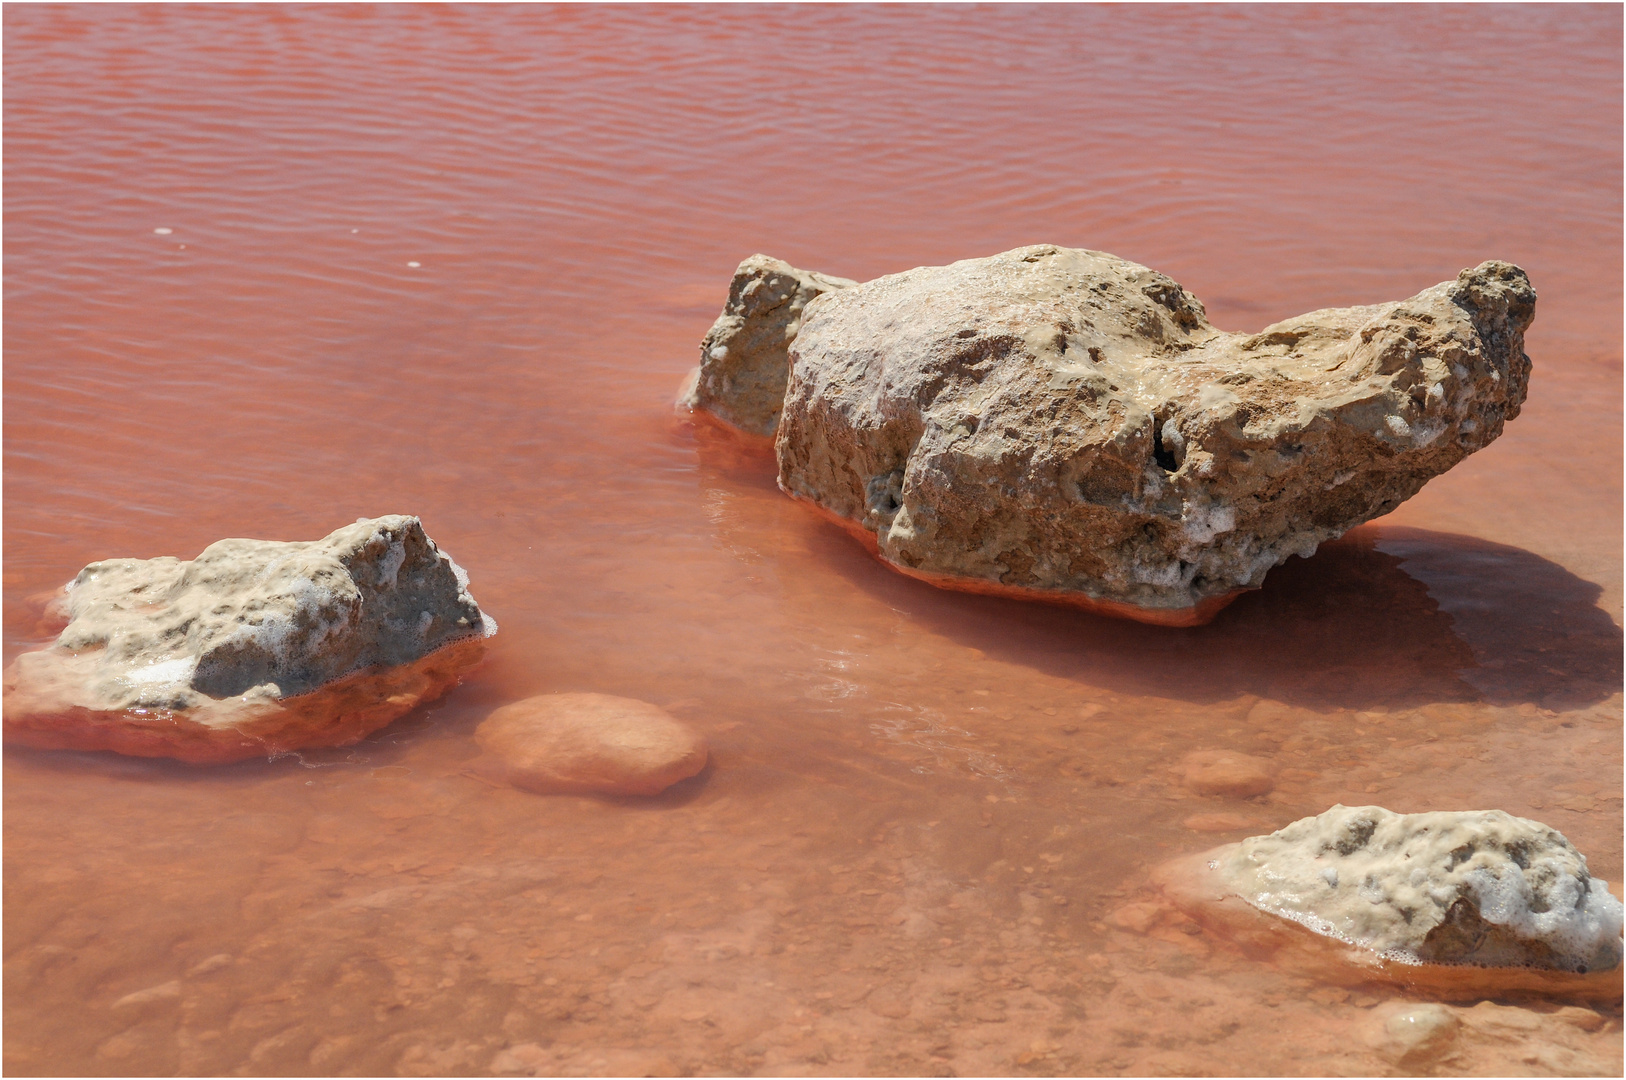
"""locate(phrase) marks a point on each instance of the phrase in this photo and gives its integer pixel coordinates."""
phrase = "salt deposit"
(1480, 888)
(254, 647)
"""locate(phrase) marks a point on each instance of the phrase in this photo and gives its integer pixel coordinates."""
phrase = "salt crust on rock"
(254, 647)
(1063, 424)
(743, 357)
(1479, 888)
(588, 744)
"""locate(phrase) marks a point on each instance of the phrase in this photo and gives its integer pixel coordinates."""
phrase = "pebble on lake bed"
(1475, 892)
(1227, 773)
(588, 744)
(1219, 823)
(1412, 1036)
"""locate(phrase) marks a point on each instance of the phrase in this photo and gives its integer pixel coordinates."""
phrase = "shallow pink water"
(924, 809)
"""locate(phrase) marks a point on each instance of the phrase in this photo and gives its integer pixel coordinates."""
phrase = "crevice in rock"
(884, 493)
(1162, 454)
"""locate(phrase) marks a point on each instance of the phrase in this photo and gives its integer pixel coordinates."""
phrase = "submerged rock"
(588, 744)
(254, 647)
(1227, 773)
(1415, 1035)
(743, 358)
(1482, 888)
(1062, 424)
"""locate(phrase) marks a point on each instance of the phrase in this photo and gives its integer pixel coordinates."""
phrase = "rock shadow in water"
(1388, 616)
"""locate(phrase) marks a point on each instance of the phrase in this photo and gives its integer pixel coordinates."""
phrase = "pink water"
(926, 812)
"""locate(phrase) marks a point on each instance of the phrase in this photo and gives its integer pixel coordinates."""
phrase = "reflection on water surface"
(454, 263)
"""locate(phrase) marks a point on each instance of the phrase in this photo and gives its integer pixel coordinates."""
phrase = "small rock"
(162, 992)
(1060, 424)
(1586, 1019)
(256, 647)
(1227, 773)
(1138, 918)
(1218, 823)
(1415, 1035)
(208, 964)
(1482, 889)
(589, 743)
(743, 357)
(988, 1013)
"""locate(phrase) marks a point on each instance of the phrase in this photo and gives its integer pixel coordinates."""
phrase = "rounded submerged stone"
(254, 648)
(1227, 773)
(1415, 1035)
(588, 744)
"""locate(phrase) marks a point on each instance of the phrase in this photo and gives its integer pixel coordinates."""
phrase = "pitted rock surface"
(1480, 888)
(743, 357)
(1065, 424)
(229, 641)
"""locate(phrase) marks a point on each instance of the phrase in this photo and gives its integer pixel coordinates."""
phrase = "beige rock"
(743, 358)
(1138, 917)
(210, 964)
(253, 648)
(1585, 1019)
(1227, 773)
(1218, 823)
(1061, 424)
(1414, 1035)
(588, 743)
(1466, 888)
(168, 991)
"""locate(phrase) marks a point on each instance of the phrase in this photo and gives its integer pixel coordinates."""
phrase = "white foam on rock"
(1481, 887)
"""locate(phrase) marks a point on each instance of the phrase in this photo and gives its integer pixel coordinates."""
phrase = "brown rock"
(1227, 773)
(1064, 425)
(1139, 917)
(1219, 823)
(1413, 1036)
(588, 743)
(743, 357)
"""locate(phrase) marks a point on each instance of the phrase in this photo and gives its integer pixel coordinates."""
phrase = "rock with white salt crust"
(1482, 888)
(588, 744)
(1061, 424)
(256, 647)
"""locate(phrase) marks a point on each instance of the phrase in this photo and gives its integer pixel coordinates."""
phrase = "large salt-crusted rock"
(743, 359)
(1479, 888)
(254, 647)
(1062, 424)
